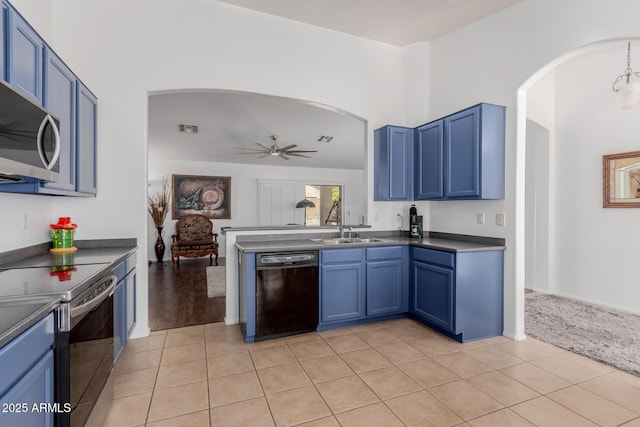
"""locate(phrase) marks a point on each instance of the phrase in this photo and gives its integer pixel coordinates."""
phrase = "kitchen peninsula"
(453, 283)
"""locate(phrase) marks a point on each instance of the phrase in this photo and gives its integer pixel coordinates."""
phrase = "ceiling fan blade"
(297, 155)
(266, 148)
(283, 156)
(266, 155)
(288, 147)
(249, 150)
(302, 151)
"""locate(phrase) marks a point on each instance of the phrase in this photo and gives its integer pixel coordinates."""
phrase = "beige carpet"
(216, 281)
(600, 333)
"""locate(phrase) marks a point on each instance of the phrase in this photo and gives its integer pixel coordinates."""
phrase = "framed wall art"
(621, 180)
(198, 194)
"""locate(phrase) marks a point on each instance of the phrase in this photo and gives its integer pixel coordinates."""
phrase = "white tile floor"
(396, 373)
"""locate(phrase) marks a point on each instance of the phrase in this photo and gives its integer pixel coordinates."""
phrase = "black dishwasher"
(286, 293)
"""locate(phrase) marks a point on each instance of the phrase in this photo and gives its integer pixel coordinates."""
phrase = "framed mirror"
(621, 180)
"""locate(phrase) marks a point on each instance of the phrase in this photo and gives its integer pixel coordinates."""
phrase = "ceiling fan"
(274, 150)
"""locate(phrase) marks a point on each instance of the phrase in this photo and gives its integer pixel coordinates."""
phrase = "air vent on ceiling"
(324, 138)
(188, 128)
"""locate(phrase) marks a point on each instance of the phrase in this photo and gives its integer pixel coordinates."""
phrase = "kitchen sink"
(344, 241)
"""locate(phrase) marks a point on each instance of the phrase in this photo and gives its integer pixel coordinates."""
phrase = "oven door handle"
(90, 305)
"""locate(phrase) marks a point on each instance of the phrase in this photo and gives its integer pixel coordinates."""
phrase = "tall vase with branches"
(158, 207)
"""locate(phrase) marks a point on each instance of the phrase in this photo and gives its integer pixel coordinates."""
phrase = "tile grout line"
(427, 357)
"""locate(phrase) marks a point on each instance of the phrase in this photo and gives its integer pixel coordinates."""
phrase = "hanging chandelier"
(627, 85)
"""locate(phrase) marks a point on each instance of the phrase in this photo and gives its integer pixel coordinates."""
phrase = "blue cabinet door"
(59, 99)
(34, 388)
(393, 163)
(342, 292)
(3, 19)
(119, 320)
(25, 51)
(384, 287)
(462, 154)
(86, 132)
(131, 285)
(433, 294)
(429, 160)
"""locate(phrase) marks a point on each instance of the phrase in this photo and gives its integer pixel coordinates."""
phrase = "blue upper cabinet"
(3, 19)
(429, 161)
(457, 157)
(33, 68)
(86, 131)
(25, 49)
(393, 163)
(474, 153)
(474, 144)
(59, 99)
(461, 156)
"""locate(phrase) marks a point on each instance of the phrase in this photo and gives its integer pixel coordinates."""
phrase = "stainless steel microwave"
(29, 139)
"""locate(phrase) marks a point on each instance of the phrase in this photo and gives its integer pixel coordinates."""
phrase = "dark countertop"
(81, 256)
(224, 230)
(17, 315)
(440, 241)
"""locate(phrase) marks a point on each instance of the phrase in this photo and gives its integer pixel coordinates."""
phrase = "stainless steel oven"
(84, 352)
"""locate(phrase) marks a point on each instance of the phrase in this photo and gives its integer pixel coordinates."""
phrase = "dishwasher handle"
(270, 261)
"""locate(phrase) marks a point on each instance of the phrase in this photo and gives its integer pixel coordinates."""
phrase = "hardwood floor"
(178, 295)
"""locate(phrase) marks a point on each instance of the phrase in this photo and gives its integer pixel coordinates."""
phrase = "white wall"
(596, 248)
(488, 61)
(125, 50)
(539, 252)
(244, 185)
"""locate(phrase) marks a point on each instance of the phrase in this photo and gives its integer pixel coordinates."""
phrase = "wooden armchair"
(194, 238)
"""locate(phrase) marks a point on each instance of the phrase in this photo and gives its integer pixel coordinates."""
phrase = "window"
(328, 205)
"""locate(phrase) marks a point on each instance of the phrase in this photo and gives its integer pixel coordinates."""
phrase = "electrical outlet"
(500, 219)
(25, 221)
(480, 216)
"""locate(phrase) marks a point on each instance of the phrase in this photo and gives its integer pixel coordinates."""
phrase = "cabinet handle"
(56, 133)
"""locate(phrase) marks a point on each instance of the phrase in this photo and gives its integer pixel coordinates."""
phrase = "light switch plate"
(500, 219)
(480, 216)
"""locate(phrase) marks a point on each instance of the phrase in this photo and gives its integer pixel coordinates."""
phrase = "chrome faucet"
(342, 228)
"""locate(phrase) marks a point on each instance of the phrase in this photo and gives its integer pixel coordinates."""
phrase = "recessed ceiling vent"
(324, 138)
(188, 128)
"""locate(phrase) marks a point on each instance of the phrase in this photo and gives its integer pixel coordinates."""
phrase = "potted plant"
(158, 207)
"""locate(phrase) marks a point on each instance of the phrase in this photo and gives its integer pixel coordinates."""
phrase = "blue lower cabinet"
(29, 402)
(387, 281)
(459, 294)
(124, 304)
(130, 291)
(342, 290)
(360, 284)
(119, 319)
(433, 294)
(27, 381)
